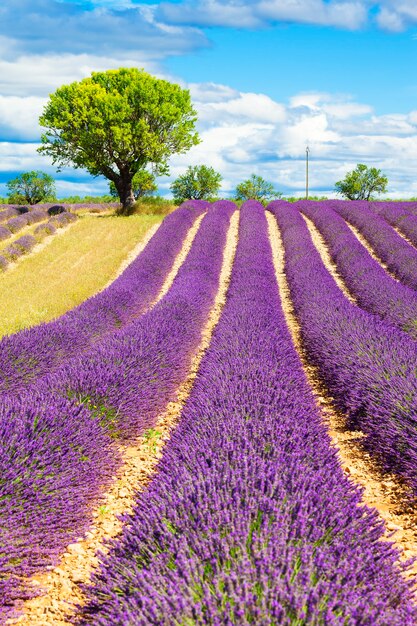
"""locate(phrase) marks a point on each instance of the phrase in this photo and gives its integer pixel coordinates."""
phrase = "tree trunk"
(127, 198)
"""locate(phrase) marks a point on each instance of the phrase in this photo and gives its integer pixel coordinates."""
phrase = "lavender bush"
(7, 213)
(17, 223)
(62, 219)
(43, 230)
(36, 215)
(4, 233)
(249, 518)
(20, 247)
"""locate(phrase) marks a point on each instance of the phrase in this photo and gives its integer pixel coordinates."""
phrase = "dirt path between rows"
(403, 236)
(382, 491)
(139, 463)
(323, 251)
(369, 248)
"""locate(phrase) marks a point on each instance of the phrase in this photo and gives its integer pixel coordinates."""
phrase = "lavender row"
(367, 281)
(18, 222)
(249, 518)
(57, 440)
(25, 244)
(398, 216)
(32, 353)
(368, 366)
(399, 257)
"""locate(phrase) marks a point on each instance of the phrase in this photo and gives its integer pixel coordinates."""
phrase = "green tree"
(31, 187)
(256, 188)
(143, 184)
(117, 122)
(200, 182)
(362, 182)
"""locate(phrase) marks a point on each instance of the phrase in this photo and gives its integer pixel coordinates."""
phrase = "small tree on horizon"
(256, 188)
(199, 182)
(117, 122)
(31, 188)
(362, 182)
(143, 184)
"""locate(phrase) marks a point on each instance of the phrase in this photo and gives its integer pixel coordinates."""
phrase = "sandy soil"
(140, 460)
(323, 251)
(401, 234)
(369, 248)
(384, 492)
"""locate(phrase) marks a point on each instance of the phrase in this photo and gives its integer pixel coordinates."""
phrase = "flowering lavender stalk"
(392, 249)
(367, 364)
(57, 437)
(34, 352)
(43, 230)
(249, 518)
(373, 288)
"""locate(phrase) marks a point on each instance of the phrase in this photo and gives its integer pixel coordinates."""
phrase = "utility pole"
(307, 153)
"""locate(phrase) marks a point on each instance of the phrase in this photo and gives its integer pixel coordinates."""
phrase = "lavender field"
(166, 451)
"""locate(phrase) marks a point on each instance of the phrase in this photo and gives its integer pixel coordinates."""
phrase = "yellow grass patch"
(70, 268)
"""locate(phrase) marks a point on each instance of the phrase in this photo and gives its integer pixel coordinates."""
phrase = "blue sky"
(267, 77)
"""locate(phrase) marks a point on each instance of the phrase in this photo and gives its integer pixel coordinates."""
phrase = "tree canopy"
(199, 182)
(362, 182)
(31, 187)
(117, 122)
(256, 188)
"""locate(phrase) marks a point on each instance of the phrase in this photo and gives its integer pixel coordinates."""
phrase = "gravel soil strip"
(61, 584)
(382, 491)
(371, 251)
(401, 234)
(326, 258)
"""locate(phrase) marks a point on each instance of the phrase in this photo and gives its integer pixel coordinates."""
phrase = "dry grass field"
(71, 266)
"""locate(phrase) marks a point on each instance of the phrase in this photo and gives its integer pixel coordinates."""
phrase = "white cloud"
(345, 14)
(38, 75)
(210, 13)
(54, 27)
(349, 15)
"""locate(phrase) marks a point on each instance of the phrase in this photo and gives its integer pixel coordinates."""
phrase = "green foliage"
(311, 198)
(200, 182)
(143, 184)
(31, 187)
(85, 199)
(256, 188)
(117, 122)
(362, 182)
